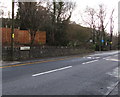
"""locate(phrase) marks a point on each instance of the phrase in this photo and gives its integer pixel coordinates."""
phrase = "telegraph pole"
(111, 29)
(12, 31)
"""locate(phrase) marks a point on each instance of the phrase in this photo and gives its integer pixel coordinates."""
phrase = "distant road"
(96, 74)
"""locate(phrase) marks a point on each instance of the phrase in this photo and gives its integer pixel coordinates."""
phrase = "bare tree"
(111, 28)
(102, 16)
(96, 21)
(32, 16)
(92, 21)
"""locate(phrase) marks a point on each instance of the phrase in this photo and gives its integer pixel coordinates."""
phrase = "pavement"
(94, 74)
(4, 63)
(114, 91)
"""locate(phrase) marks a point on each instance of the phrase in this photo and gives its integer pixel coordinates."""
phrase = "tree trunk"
(33, 34)
(32, 39)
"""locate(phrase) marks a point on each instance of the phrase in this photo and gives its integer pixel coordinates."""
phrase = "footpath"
(6, 63)
(115, 91)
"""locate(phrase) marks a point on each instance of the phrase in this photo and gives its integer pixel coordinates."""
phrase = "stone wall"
(41, 52)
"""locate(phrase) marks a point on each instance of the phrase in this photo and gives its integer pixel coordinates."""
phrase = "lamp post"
(12, 31)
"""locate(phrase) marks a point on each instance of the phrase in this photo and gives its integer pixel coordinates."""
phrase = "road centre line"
(33, 63)
(89, 57)
(90, 62)
(92, 57)
(104, 58)
(107, 57)
(37, 62)
(97, 57)
(38, 74)
(45, 61)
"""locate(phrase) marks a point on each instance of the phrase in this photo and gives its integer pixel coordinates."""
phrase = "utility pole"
(111, 29)
(93, 31)
(12, 32)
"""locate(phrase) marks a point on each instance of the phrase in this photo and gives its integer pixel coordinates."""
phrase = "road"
(95, 74)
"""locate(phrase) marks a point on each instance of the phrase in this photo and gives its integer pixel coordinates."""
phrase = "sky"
(119, 17)
(79, 10)
(108, 4)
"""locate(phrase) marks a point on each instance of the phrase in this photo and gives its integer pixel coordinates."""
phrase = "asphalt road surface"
(95, 74)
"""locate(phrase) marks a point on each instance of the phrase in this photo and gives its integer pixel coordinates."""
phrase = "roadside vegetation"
(55, 18)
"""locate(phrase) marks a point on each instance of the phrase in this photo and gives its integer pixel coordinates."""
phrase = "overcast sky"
(80, 7)
(119, 18)
(109, 5)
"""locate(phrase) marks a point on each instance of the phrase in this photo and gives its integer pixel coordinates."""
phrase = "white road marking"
(90, 62)
(104, 58)
(107, 59)
(116, 60)
(106, 53)
(115, 55)
(89, 57)
(97, 57)
(92, 57)
(52, 71)
(111, 59)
